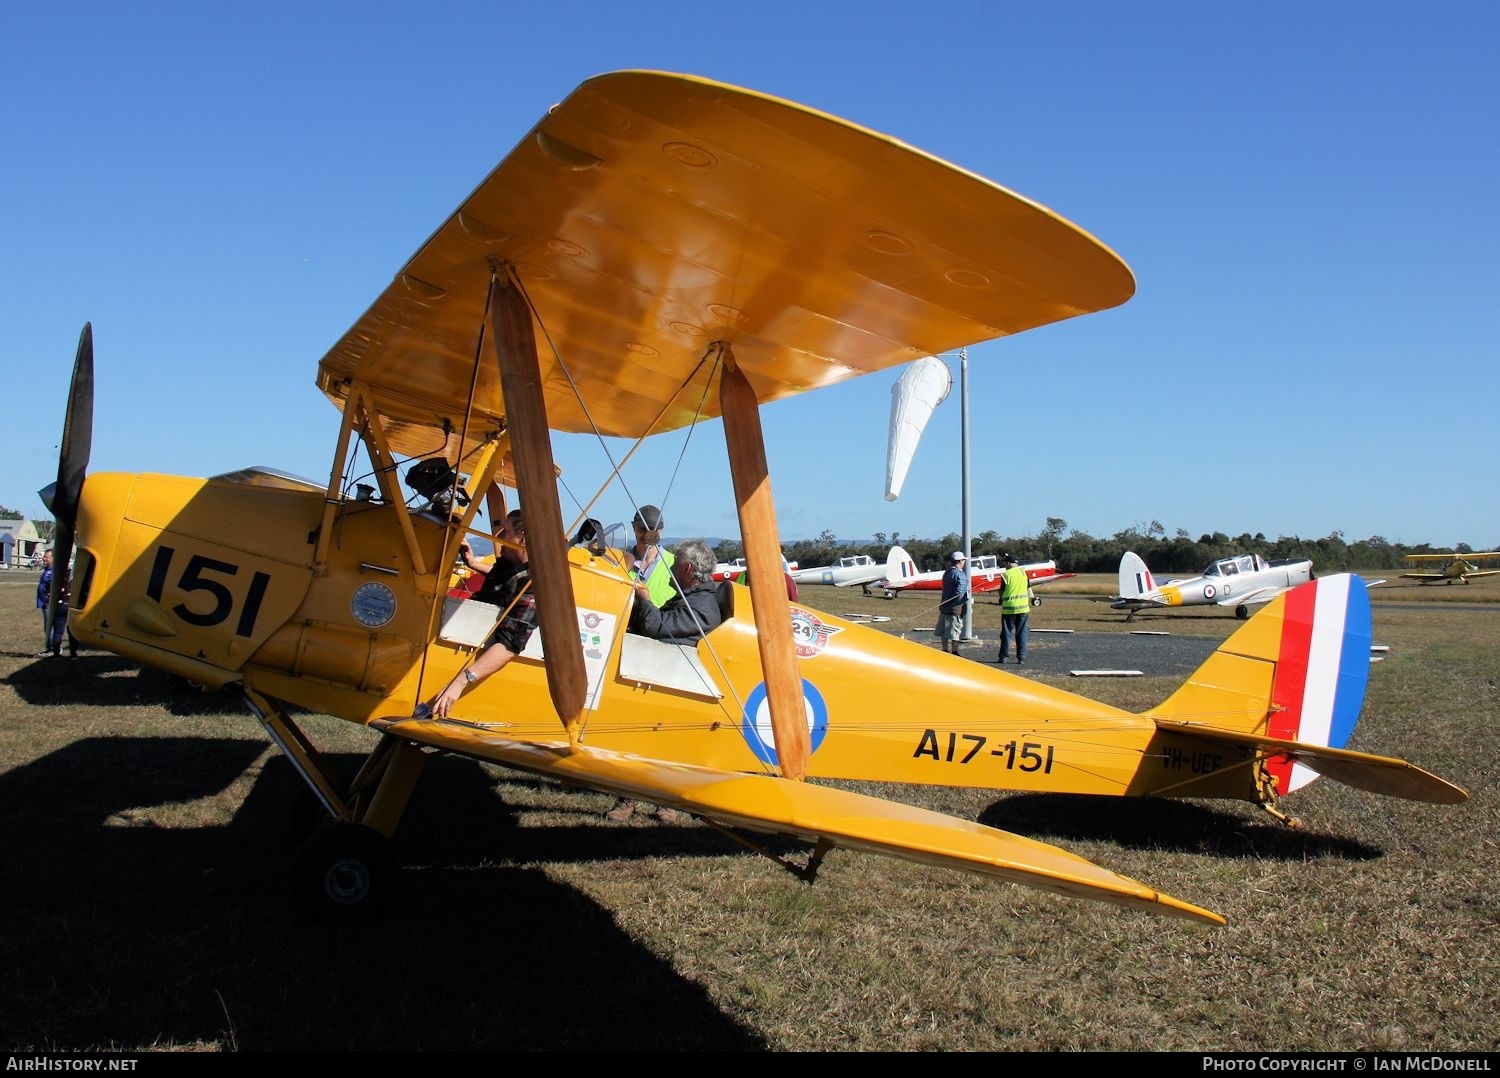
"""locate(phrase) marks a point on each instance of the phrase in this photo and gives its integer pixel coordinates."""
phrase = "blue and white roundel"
(755, 726)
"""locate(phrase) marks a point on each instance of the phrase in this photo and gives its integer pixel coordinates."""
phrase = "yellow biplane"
(1451, 568)
(661, 249)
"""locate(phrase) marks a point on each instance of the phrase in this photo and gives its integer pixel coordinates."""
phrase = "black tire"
(344, 872)
(1242, 612)
(1036, 600)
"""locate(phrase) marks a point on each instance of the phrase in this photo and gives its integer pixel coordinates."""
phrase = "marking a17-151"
(956, 748)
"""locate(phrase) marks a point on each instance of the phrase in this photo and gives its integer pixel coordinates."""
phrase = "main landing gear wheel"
(345, 871)
(1242, 612)
(1036, 600)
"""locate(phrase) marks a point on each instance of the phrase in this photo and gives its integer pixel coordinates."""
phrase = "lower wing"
(803, 811)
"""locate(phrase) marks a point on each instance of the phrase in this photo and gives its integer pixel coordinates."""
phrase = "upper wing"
(652, 214)
(806, 812)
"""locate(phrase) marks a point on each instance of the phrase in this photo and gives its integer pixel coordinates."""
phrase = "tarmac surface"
(1064, 653)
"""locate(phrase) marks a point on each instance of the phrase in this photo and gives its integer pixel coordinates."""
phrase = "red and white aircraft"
(984, 575)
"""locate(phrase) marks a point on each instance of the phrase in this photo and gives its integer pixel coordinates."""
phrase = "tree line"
(1079, 552)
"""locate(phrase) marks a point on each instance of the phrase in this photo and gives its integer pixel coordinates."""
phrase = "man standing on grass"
(954, 603)
(1015, 609)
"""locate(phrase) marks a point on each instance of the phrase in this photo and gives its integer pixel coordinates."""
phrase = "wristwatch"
(470, 676)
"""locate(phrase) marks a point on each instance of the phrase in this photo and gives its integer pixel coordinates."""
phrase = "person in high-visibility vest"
(1015, 608)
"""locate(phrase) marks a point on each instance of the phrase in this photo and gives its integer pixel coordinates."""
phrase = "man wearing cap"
(954, 603)
(652, 565)
(1015, 608)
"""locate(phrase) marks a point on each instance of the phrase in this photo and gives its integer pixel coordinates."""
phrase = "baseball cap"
(649, 517)
(957, 555)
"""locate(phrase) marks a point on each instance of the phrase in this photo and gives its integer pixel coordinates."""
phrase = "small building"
(20, 543)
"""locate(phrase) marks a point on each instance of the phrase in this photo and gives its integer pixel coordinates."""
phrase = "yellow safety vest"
(659, 580)
(1016, 596)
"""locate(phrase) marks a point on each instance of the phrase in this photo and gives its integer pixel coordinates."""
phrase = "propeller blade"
(78, 434)
(61, 498)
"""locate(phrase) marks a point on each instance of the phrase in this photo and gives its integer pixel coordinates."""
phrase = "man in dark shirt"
(507, 560)
(693, 611)
(517, 601)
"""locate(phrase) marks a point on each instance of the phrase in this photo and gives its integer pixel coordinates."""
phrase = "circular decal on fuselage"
(809, 633)
(1208, 591)
(755, 725)
(373, 604)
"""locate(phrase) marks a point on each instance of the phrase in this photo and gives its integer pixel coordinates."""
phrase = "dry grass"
(148, 829)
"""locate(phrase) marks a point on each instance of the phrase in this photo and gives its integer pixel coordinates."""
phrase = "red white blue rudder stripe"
(1321, 670)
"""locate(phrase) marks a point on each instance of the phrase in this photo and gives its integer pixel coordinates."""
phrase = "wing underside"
(649, 215)
(806, 812)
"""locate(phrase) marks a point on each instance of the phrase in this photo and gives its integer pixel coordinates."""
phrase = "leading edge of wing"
(807, 812)
(651, 214)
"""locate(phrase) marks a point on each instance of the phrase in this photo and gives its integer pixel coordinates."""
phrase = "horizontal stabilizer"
(1363, 771)
(806, 812)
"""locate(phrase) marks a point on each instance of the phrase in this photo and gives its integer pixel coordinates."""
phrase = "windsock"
(920, 389)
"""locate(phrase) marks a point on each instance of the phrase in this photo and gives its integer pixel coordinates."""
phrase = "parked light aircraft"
(1240, 581)
(984, 575)
(686, 250)
(735, 569)
(1452, 568)
(853, 570)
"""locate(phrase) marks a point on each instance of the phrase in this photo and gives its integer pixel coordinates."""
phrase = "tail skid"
(1288, 687)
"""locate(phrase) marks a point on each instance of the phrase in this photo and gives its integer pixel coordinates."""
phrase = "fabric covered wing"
(651, 214)
(806, 812)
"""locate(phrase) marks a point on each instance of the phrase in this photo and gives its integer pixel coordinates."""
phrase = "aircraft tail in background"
(899, 565)
(1135, 579)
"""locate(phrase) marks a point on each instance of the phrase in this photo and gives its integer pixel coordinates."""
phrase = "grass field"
(148, 827)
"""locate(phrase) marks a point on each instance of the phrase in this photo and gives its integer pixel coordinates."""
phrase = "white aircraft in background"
(984, 575)
(1240, 581)
(852, 570)
(733, 570)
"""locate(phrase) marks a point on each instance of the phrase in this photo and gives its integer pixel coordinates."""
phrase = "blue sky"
(1307, 194)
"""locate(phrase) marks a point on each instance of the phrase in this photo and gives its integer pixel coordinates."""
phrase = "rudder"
(1135, 579)
(1296, 671)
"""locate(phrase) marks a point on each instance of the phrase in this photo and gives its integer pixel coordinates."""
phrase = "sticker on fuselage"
(755, 724)
(809, 634)
(373, 604)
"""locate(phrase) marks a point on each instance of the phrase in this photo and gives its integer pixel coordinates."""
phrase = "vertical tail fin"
(1135, 579)
(1296, 671)
(899, 565)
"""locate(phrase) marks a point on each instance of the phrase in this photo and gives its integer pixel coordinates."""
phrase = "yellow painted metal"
(650, 214)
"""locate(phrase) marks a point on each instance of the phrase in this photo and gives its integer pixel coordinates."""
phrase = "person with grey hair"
(693, 611)
(685, 617)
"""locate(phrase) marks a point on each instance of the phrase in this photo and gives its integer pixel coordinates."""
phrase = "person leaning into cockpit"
(517, 597)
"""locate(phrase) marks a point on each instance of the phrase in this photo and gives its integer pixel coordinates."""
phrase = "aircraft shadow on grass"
(1164, 824)
(100, 680)
(124, 934)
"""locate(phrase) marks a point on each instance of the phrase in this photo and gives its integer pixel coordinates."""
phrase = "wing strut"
(536, 482)
(773, 616)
